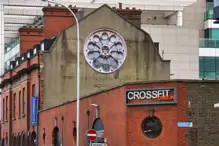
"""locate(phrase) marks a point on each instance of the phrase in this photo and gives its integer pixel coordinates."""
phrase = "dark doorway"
(99, 127)
(56, 135)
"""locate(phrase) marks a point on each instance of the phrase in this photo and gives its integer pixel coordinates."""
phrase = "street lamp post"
(78, 71)
(97, 110)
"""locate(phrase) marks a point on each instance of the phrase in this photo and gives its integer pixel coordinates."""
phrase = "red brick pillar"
(57, 19)
(29, 37)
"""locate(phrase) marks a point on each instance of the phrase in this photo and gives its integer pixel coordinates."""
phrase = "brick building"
(133, 108)
(123, 121)
(20, 82)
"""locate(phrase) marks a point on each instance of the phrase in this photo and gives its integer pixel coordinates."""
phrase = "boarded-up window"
(24, 101)
(6, 110)
(14, 106)
(3, 110)
(33, 90)
(20, 103)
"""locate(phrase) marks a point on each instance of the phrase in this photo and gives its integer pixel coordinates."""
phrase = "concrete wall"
(181, 46)
(158, 17)
(193, 16)
(143, 61)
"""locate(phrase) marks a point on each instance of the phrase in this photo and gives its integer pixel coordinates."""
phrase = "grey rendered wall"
(181, 46)
(143, 61)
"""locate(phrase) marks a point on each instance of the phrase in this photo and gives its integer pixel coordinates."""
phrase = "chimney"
(132, 15)
(29, 37)
(120, 5)
(57, 19)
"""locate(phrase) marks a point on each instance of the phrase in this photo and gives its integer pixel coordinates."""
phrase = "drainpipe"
(62, 130)
(179, 17)
(88, 122)
(38, 108)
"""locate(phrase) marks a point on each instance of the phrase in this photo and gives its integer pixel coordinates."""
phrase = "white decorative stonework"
(105, 51)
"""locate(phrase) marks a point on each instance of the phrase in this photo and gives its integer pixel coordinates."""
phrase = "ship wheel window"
(152, 127)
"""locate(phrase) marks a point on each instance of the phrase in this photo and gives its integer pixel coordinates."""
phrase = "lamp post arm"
(78, 69)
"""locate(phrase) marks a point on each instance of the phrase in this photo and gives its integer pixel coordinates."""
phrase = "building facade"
(20, 81)
(125, 106)
(208, 51)
(128, 121)
(173, 34)
(22, 78)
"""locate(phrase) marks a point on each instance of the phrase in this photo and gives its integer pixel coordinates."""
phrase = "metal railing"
(12, 44)
(209, 15)
(209, 43)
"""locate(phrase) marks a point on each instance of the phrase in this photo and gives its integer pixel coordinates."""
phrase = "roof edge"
(133, 83)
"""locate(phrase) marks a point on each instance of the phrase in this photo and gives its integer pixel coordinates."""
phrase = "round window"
(105, 51)
(152, 127)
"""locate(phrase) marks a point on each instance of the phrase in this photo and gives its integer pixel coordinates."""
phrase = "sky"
(216, 3)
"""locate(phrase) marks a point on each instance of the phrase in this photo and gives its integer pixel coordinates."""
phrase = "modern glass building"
(216, 10)
(209, 46)
(11, 51)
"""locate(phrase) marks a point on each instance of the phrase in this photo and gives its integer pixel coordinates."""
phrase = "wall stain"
(68, 55)
(116, 74)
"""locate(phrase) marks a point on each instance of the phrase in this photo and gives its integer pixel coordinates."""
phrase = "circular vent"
(152, 127)
(105, 51)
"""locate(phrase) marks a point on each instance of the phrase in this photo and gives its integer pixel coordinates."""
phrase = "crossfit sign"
(151, 96)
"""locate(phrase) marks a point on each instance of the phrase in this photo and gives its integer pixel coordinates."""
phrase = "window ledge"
(14, 119)
(23, 115)
(19, 116)
(6, 121)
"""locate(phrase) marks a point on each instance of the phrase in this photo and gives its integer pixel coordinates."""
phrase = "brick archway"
(23, 139)
(14, 140)
(56, 137)
(3, 142)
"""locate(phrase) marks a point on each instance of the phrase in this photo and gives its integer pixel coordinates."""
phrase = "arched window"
(75, 134)
(6, 141)
(99, 127)
(3, 142)
(14, 141)
(152, 127)
(56, 137)
(23, 141)
(44, 139)
(19, 140)
(33, 139)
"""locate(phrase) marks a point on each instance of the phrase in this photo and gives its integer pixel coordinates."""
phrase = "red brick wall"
(113, 115)
(22, 122)
(56, 20)
(122, 124)
(169, 115)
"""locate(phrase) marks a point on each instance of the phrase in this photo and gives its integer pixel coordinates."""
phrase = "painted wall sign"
(185, 124)
(151, 96)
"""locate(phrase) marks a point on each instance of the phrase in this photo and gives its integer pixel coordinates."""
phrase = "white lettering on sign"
(148, 94)
(97, 144)
(91, 135)
(100, 133)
